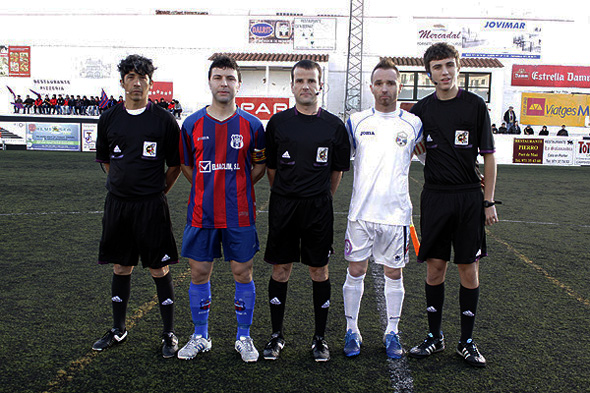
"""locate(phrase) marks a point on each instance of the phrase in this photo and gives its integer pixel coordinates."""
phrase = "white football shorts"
(387, 244)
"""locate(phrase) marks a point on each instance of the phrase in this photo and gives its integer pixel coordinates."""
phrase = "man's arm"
(187, 171)
(257, 172)
(172, 174)
(271, 176)
(489, 162)
(335, 178)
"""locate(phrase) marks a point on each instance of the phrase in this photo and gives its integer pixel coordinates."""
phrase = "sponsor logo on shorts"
(117, 149)
(461, 138)
(429, 138)
(166, 258)
(286, 155)
(322, 155)
(347, 247)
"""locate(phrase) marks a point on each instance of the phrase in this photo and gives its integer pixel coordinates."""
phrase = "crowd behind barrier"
(80, 106)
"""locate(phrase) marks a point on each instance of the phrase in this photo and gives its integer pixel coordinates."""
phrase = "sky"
(578, 10)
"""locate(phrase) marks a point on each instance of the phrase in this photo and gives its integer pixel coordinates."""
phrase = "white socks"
(394, 299)
(352, 291)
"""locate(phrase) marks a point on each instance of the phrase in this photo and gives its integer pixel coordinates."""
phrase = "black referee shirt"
(455, 132)
(136, 147)
(304, 150)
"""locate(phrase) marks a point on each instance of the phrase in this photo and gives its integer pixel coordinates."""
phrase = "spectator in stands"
(18, 103)
(38, 105)
(60, 104)
(120, 101)
(28, 104)
(177, 109)
(112, 102)
(543, 131)
(53, 102)
(163, 103)
(528, 130)
(510, 118)
(84, 107)
(47, 105)
(78, 105)
(515, 129)
(494, 129)
(66, 106)
(72, 105)
(563, 131)
(502, 129)
(171, 106)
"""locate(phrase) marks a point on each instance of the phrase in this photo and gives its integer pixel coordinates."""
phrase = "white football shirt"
(382, 145)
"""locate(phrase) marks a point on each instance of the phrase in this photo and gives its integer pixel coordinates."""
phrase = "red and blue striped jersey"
(221, 154)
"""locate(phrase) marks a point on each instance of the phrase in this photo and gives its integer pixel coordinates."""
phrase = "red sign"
(19, 61)
(550, 76)
(163, 90)
(262, 107)
(527, 151)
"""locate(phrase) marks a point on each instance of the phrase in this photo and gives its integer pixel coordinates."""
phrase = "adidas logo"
(326, 305)
(429, 138)
(431, 309)
(275, 300)
(117, 299)
(117, 149)
(468, 313)
(286, 155)
(167, 302)
(166, 258)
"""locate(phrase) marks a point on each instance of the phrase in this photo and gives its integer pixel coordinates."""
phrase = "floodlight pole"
(354, 66)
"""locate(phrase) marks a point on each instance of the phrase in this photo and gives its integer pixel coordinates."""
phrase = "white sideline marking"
(399, 371)
(48, 213)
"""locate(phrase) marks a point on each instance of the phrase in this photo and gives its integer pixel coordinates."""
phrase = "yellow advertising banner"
(555, 109)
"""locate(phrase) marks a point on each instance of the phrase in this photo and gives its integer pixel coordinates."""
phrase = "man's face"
(224, 84)
(385, 87)
(136, 86)
(444, 73)
(305, 86)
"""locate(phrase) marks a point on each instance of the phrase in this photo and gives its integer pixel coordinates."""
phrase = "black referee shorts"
(137, 228)
(452, 217)
(300, 230)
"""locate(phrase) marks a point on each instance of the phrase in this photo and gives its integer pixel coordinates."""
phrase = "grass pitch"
(532, 320)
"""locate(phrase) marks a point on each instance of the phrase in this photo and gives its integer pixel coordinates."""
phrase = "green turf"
(532, 321)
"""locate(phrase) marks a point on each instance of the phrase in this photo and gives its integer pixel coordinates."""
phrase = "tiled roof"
(320, 58)
(466, 62)
(278, 57)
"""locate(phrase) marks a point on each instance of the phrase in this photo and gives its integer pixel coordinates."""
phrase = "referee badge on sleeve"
(322, 155)
(149, 149)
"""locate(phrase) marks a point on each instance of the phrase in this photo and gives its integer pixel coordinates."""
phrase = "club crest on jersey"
(401, 139)
(237, 141)
(461, 138)
(149, 149)
(322, 155)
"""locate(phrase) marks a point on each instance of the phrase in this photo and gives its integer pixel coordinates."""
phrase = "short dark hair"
(440, 51)
(307, 65)
(138, 64)
(224, 62)
(386, 63)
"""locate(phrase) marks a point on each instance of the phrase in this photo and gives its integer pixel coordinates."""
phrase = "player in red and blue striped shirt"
(222, 154)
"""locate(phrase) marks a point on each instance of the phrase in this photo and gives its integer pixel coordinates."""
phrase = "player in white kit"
(383, 140)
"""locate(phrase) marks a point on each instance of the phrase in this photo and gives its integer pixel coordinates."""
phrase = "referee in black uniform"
(136, 141)
(307, 151)
(453, 209)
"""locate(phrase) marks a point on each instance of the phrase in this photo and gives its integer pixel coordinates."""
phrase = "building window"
(417, 85)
